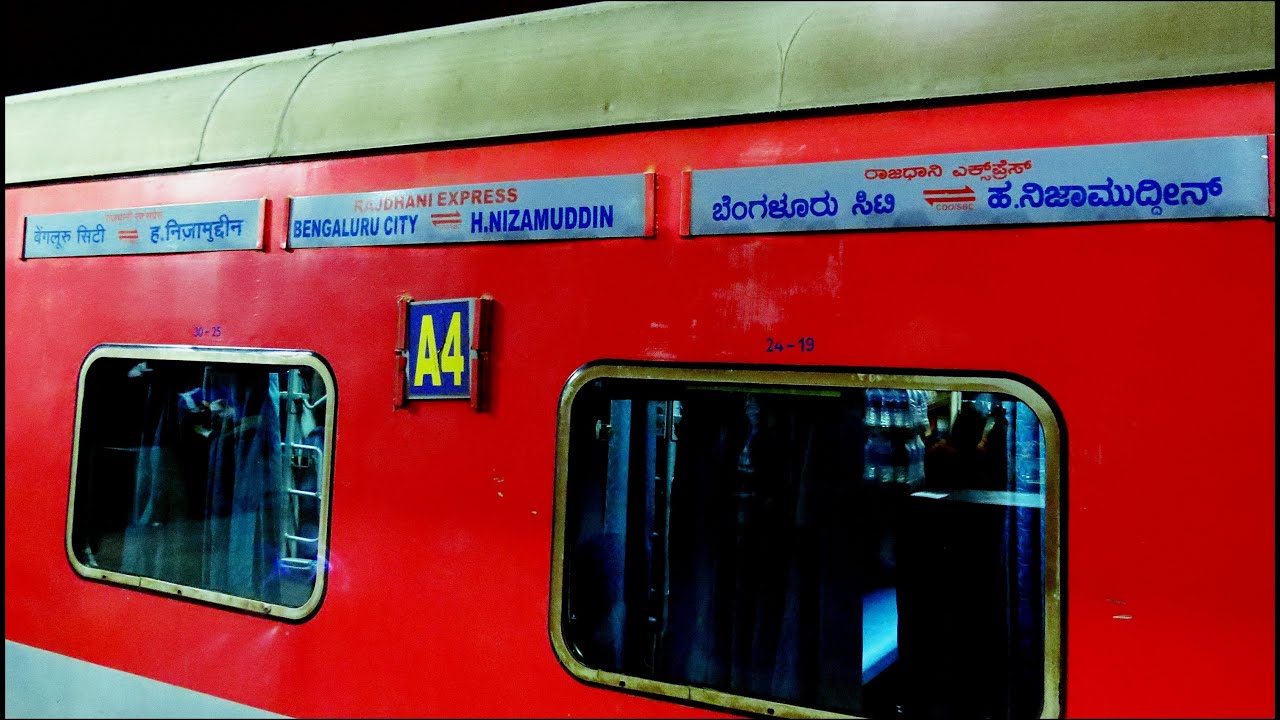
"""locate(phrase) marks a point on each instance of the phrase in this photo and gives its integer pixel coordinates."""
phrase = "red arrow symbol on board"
(964, 194)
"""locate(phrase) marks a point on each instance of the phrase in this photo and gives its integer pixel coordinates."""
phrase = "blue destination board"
(611, 206)
(201, 227)
(439, 349)
(1211, 177)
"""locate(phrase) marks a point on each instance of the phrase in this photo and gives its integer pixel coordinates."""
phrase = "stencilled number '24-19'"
(448, 360)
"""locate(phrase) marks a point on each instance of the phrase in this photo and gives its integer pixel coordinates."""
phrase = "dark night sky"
(52, 44)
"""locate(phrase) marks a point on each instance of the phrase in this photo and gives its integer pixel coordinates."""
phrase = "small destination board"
(611, 206)
(200, 227)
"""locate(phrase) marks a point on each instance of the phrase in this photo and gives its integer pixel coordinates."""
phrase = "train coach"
(794, 359)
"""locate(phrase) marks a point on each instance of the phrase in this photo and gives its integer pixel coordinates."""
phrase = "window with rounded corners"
(807, 543)
(204, 473)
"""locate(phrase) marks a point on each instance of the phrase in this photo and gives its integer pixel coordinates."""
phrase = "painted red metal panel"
(686, 200)
(650, 190)
(1156, 339)
(481, 327)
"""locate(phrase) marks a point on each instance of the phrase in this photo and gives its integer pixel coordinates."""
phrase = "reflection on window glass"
(874, 551)
(203, 474)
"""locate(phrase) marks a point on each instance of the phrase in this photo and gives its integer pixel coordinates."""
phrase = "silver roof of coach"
(614, 64)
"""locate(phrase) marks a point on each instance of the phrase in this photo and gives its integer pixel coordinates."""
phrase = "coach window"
(797, 543)
(204, 473)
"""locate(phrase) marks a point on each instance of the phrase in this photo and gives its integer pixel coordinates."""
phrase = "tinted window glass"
(875, 551)
(208, 475)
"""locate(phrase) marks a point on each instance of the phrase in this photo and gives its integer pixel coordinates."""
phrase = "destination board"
(612, 206)
(1209, 177)
(200, 227)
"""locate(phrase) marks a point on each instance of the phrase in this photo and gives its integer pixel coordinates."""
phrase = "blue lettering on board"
(197, 227)
(611, 206)
(1207, 177)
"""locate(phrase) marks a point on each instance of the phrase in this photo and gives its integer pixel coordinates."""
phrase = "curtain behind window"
(209, 504)
(762, 568)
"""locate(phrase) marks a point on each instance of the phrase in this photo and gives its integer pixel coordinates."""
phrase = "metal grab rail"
(301, 456)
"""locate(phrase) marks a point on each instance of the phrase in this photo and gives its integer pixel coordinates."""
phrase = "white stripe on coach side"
(43, 684)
